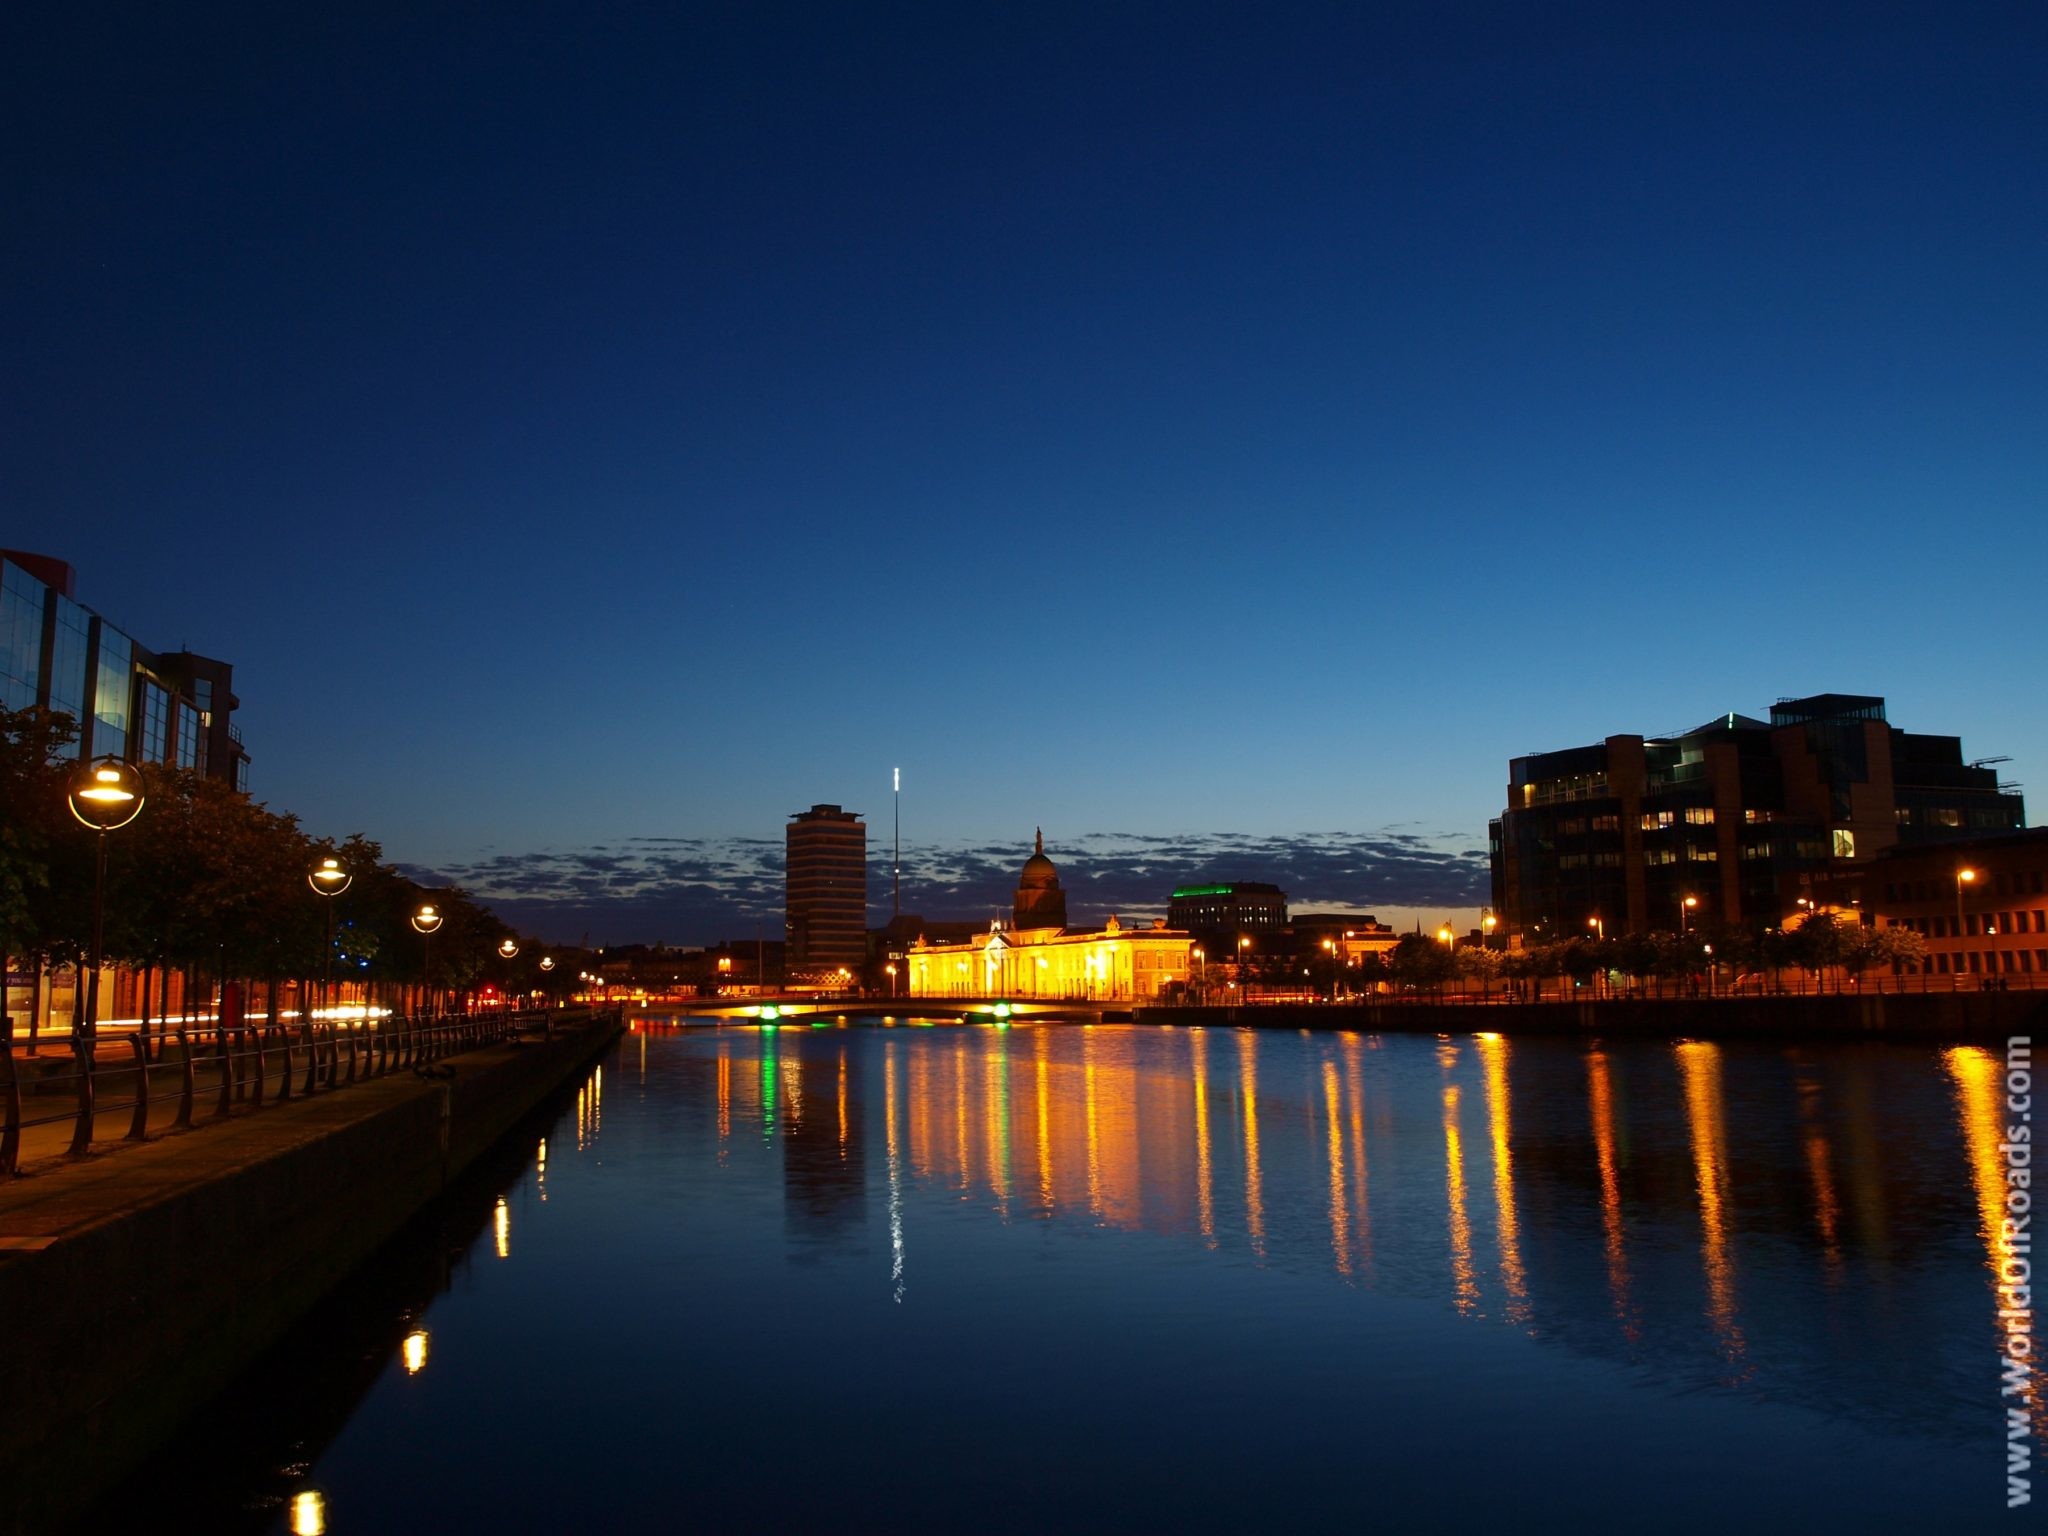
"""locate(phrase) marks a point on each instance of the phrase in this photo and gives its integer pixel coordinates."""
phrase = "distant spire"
(1041, 838)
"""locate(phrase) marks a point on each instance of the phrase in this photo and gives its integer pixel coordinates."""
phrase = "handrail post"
(191, 1080)
(312, 1057)
(138, 1128)
(262, 1068)
(10, 1101)
(81, 1133)
(227, 1073)
(284, 1081)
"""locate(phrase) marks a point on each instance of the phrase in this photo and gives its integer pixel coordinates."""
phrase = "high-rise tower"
(826, 891)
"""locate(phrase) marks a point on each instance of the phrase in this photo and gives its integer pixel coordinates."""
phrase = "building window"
(1699, 815)
(111, 693)
(188, 738)
(1613, 824)
(67, 660)
(1844, 843)
(156, 722)
(21, 637)
(1653, 820)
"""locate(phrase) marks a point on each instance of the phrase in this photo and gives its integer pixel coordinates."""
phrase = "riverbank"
(1960, 1016)
(135, 1285)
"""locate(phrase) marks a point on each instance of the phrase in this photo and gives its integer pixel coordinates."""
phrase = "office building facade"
(1979, 904)
(825, 903)
(170, 708)
(1219, 914)
(1739, 818)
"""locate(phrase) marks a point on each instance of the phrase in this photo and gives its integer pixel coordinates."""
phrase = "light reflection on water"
(1114, 1277)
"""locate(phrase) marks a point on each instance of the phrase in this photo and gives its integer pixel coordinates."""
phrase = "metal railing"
(212, 1073)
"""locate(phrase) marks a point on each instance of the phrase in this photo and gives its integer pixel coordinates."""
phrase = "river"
(884, 1276)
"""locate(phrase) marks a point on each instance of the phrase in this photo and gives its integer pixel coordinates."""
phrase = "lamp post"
(328, 880)
(891, 969)
(1201, 959)
(1599, 927)
(105, 795)
(508, 951)
(1336, 970)
(424, 922)
(1487, 923)
(1685, 908)
(1964, 876)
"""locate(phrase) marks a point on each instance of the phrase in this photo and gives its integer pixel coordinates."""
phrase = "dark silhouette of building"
(1219, 915)
(173, 708)
(826, 892)
(1739, 816)
(1040, 901)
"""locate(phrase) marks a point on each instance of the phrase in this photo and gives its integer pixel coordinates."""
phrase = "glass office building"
(173, 708)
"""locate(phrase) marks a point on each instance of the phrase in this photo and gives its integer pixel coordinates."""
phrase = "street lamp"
(1598, 926)
(1964, 876)
(424, 922)
(104, 795)
(508, 951)
(1685, 908)
(1336, 971)
(328, 879)
(1487, 923)
(891, 969)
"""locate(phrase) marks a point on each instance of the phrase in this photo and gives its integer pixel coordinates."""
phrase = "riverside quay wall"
(135, 1286)
(1955, 1016)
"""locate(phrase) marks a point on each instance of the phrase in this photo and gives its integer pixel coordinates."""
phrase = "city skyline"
(696, 891)
(577, 430)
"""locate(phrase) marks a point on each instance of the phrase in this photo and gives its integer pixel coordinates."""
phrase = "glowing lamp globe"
(329, 879)
(105, 794)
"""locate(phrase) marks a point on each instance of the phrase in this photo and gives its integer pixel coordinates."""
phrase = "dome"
(1039, 872)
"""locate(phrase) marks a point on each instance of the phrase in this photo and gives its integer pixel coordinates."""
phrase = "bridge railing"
(212, 1073)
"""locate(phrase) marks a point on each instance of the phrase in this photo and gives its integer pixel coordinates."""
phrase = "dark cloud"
(701, 890)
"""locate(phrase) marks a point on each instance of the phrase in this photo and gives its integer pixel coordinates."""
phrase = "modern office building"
(1729, 823)
(1980, 904)
(1224, 912)
(173, 708)
(825, 892)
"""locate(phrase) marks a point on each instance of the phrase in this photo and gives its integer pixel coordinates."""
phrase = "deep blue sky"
(579, 423)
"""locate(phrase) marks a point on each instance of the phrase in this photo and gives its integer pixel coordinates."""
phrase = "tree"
(1481, 965)
(1419, 962)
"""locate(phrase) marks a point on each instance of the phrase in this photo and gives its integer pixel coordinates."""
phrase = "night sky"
(1220, 435)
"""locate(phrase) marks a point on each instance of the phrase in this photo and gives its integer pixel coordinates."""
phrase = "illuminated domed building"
(1034, 957)
(1040, 901)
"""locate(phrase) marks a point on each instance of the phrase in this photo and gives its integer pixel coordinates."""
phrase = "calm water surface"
(1056, 1278)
